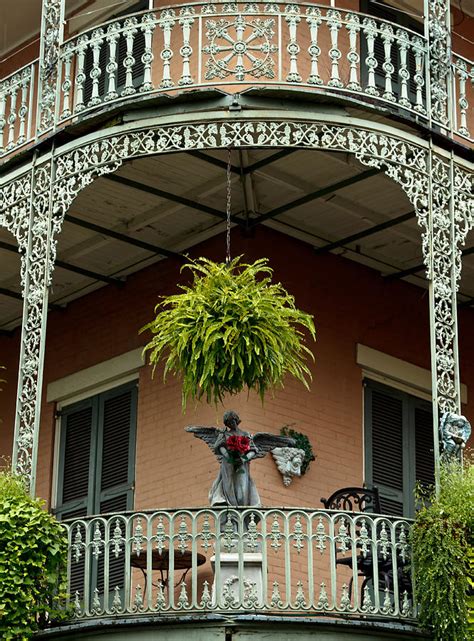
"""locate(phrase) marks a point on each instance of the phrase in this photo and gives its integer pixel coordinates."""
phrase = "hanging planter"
(233, 328)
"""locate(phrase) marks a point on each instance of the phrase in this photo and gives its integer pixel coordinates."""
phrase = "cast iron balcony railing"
(17, 100)
(235, 45)
(260, 560)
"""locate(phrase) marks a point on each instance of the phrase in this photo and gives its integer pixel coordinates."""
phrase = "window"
(97, 469)
(97, 452)
(398, 445)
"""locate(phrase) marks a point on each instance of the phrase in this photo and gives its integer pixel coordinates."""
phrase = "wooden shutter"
(76, 459)
(384, 418)
(115, 469)
(424, 446)
(97, 468)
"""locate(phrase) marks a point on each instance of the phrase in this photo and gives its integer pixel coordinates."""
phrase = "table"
(160, 562)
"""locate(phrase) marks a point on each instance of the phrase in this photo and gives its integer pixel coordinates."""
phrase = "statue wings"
(265, 442)
(209, 435)
(262, 442)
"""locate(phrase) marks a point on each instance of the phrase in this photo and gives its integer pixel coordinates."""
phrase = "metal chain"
(228, 206)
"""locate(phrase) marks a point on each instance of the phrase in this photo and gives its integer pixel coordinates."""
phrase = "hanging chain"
(228, 206)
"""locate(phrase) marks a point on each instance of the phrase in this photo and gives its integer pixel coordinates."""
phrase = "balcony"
(263, 561)
(234, 46)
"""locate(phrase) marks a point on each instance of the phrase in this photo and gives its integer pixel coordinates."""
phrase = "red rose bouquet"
(237, 447)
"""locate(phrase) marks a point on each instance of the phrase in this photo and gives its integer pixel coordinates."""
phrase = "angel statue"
(234, 450)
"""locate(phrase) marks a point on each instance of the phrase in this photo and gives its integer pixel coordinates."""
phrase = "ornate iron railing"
(262, 560)
(16, 108)
(237, 45)
(463, 95)
(204, 44)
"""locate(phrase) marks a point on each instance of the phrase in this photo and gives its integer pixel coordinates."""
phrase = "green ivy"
(442, 538)
(303, 443)
(232, 328)
(32, 562)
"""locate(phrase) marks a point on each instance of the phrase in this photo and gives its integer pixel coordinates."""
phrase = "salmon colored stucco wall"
(351, 304)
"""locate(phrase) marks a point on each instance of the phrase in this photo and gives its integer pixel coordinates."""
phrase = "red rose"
(243, 444)
(233, 443)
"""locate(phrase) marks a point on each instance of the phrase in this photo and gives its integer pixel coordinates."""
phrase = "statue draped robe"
(233, 485)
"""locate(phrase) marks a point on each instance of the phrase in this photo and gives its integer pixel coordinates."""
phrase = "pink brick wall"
(351, 304)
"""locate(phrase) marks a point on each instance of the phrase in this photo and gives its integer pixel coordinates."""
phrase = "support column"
(446, 239)
(48, 90)
(438, 32)
(36, 268)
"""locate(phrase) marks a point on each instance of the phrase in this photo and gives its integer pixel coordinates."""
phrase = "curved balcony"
(265, 561)
(234, 46)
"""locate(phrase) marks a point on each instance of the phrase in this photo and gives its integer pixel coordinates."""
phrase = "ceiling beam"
(187, 202)
(17, 296)
(364, 234)
(324, 191)
(418, 268)
(214, 161)
(154, 249)
(246, 170)
(72, 268)
(268, 160)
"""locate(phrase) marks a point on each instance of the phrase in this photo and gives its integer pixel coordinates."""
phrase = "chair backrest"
(354, 499)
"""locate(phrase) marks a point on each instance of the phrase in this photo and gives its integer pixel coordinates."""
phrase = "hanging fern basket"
(232, 328)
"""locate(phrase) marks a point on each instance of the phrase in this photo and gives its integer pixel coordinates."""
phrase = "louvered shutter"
(138, 68)
(384, 418)
(76, 459)
(115, 470)
(424, 446)
(77, 455)
(97, 472)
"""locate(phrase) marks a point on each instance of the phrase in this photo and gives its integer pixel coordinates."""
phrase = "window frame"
(410, 401)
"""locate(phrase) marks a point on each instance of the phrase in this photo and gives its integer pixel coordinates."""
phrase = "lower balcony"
(276, 562)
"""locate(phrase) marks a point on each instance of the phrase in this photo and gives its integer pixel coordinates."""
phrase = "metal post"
(35, 278)
(52, 20)
(444, 273)
(432, 304)
(438, 29)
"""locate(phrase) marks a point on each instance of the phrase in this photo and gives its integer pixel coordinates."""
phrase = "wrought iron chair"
(354, 499)
(359, 499)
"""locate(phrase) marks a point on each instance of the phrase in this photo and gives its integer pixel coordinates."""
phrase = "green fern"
(231, 329)
(442, 539)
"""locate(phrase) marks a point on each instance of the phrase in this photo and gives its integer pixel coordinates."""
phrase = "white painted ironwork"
(16, 101)
(463, 94)
(236, 547)
(232, 43)
(52, 21)
(439, 43)
(33, 206)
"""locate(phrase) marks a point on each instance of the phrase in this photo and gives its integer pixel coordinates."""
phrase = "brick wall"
(351, 304)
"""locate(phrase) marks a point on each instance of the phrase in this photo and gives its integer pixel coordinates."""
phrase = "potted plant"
(442, 537)
(232, 328)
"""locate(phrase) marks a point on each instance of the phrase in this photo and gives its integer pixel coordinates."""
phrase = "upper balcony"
(373, 60)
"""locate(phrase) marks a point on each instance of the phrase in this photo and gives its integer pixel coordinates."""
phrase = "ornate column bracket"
(437, 14)
(48, 90)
